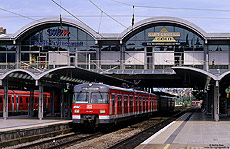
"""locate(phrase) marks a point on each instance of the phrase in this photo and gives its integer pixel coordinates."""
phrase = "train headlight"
(76, 111)
(102, 111)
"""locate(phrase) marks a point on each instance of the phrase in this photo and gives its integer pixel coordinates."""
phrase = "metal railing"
(108, 65)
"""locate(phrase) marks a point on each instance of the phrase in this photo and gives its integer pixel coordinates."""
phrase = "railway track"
(133, 141)
(61, 141)
(134, 135)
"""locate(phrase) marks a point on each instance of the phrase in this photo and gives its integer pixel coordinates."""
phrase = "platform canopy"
(58, 76)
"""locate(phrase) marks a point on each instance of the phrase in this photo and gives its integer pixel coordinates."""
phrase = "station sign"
(164, 36)
(161, 44)
(58, 32)
(58, 43)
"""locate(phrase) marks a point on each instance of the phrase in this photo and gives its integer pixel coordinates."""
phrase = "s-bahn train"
(97, 104)
(18, 101)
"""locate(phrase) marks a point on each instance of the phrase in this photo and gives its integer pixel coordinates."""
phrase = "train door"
(122, 104)
(45, 102)
(140, 105)
(13, 103)
(17, 103)
(125, 104)
(137, 104)
(115, 105)
(21, 106)
(111, 105)
(1, 103)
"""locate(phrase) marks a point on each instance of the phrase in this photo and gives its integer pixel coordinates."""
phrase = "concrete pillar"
(52, 102)
(31, 103)
(5, 101)
(18, 56)
(122, 57)
(206, 102)
(216, 101)
(205, 65)
(40, 106)
(62, 104)
(69, 105)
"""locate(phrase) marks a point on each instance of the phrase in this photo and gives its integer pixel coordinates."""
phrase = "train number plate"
(89, 106)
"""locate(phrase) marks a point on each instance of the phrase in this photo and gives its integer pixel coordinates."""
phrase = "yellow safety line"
(167, 146)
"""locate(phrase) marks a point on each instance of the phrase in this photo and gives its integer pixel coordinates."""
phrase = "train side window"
(125, 101)
(20, 99)
(130, 100)
(113, 100)
(27, 100)
(0, 99)
(9, 100)
(119, 101)
(48, 100)
(36, 100)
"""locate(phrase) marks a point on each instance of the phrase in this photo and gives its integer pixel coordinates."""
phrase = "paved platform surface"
(22, 122)
(191, 131)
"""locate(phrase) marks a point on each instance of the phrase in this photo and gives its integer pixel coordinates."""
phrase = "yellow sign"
(164, 36)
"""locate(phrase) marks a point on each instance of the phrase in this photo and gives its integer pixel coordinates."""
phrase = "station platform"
(20, 129)
(23, 122)
(192, 130)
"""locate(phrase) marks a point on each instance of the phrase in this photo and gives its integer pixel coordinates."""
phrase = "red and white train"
(18, 101)
(96, 104)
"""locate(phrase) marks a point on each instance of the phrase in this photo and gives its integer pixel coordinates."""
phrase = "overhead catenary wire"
(100, 22)
(108, 15)
(72, 15)
(155, 7)
(17, 14)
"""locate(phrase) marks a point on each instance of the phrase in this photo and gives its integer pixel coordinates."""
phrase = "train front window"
(101, 98)
(81, 97)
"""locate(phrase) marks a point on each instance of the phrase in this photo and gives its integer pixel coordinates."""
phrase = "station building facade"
(152, 46)
(156, 43)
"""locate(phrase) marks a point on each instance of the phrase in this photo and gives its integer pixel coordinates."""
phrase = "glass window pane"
(81, 35)
(3, 57)
(2, 48)
(11, 57)
(11, 48)
(100, 98)
(24, 56)
(81, 98)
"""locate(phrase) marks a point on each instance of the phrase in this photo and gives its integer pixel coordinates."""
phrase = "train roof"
(163, 94)
(112, 87)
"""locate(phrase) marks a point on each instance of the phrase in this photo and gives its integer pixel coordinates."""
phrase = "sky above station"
(210, 15)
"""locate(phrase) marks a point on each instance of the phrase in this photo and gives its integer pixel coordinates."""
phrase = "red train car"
(95, 104)
(18, 101)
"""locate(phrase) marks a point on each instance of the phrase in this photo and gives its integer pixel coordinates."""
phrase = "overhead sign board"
(163, 36)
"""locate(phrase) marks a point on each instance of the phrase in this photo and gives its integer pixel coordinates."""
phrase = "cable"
(17, 14)
(124, 15)
(100, 22)
(197, 9)
(73, 15)
(108, 15)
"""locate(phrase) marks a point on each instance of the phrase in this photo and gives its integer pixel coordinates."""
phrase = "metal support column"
(205, 65)
(5, 102)
(216, 101)
(210, 100)
(40, 107)
(18, 56)
(62, 104)
(69, 105)
(31, 103)
(122, 57)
